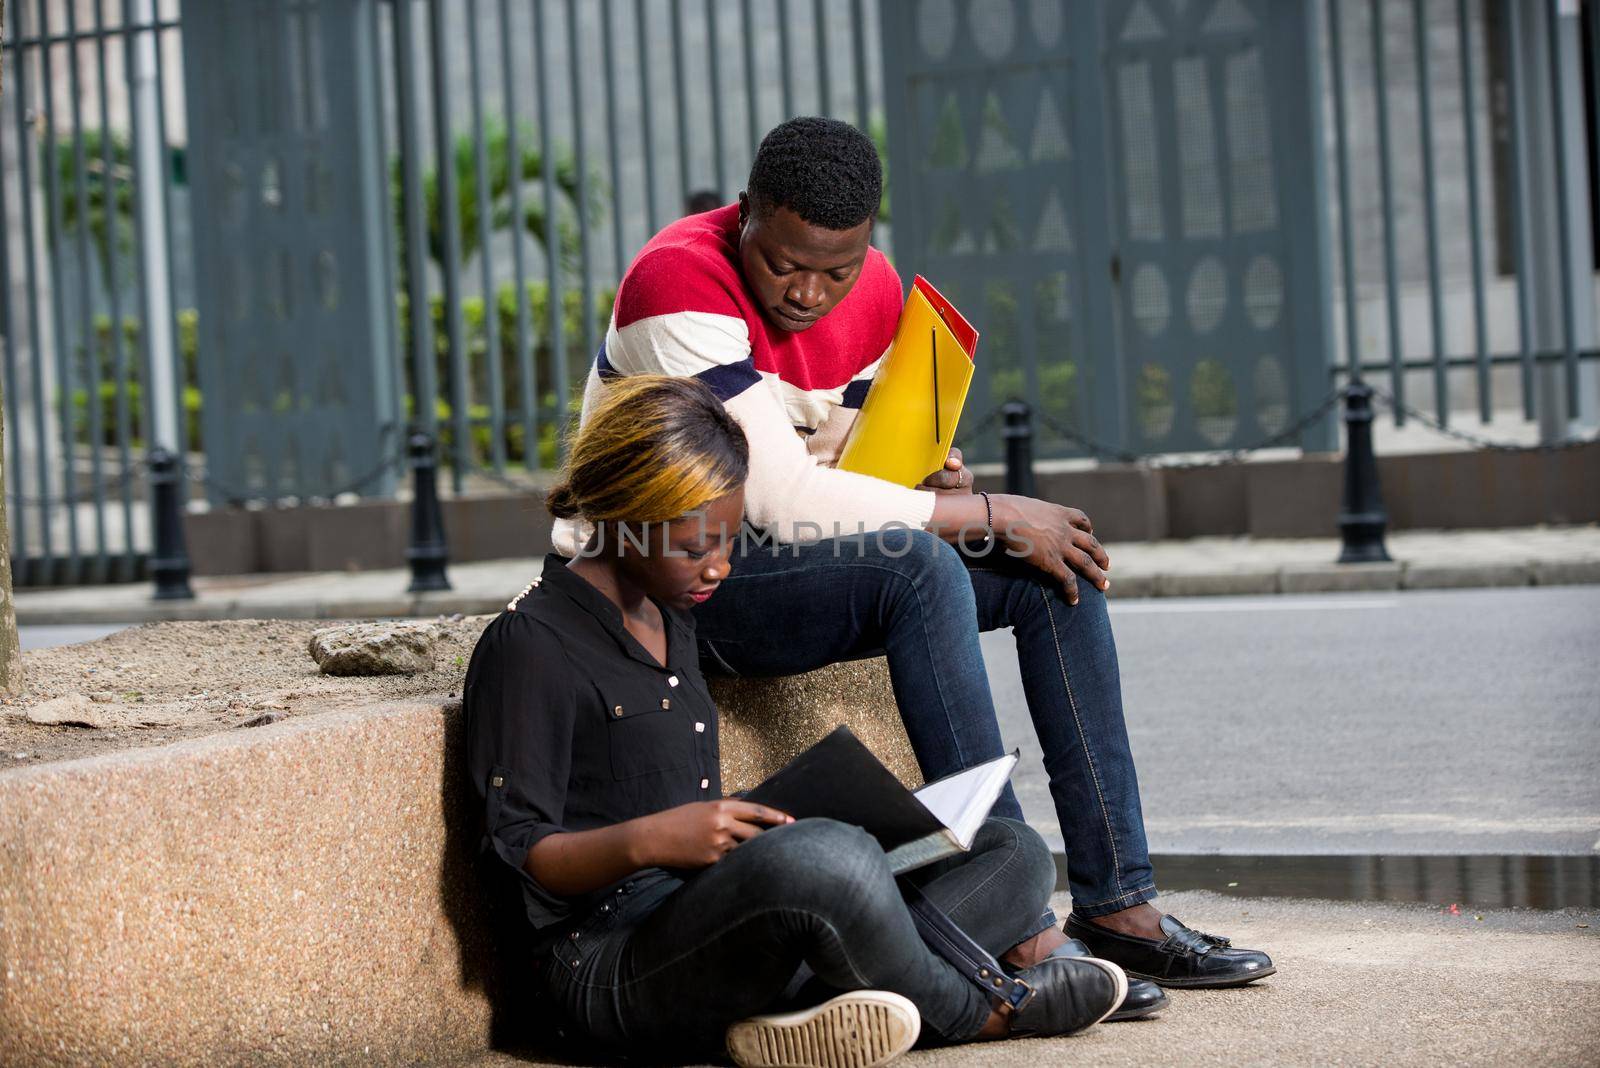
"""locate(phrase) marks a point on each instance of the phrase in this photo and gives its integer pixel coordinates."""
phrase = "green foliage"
(106, 214)
(528, 174)
(475, 335)
(1211, 390)
(102, 366)
(878, 130)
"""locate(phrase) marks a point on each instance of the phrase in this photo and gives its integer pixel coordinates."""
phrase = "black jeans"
(666, 968)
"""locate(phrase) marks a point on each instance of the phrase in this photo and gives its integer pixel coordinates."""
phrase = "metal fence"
(1463, 142)
(89, 185)
(323, 221)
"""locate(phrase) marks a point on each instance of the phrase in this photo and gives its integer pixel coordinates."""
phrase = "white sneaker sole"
(1118, 976)
(861, 1029)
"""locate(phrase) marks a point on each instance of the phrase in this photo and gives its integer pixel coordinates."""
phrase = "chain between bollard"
(1469, 438)
(1100, 450)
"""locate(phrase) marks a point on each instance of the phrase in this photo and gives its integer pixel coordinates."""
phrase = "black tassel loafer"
(1184, 958)
(1143, 998)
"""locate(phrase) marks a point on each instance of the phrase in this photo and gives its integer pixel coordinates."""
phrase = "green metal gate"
(1126, 197)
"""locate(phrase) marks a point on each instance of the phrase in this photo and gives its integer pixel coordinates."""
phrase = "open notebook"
(839, 778)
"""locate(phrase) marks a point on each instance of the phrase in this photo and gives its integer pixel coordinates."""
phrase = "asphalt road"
(1445, 722)
(46, 637)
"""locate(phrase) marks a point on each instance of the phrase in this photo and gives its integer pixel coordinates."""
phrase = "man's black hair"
(825, 171)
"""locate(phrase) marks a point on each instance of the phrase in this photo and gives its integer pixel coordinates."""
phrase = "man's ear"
(744, 208)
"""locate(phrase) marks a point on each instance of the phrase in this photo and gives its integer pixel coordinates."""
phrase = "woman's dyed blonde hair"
(654, 448)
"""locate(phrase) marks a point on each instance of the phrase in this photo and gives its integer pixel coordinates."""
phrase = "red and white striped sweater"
(683, 309)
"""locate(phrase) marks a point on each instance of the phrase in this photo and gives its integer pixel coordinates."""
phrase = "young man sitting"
(780, 304)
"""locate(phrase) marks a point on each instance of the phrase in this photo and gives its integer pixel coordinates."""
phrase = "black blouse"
(573, 725)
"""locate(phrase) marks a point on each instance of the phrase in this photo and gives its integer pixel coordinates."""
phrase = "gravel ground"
(255, 671)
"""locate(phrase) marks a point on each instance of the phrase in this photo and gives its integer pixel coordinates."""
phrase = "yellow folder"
(908, 420)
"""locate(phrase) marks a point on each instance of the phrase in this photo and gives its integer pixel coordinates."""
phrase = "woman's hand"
(953, 477)
(1055, 539)
(702, 832)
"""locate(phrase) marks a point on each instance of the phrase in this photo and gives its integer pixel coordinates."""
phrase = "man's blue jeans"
(921, 603)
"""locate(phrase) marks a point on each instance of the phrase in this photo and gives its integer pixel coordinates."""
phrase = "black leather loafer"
(1185, 958)
(1069, 994)
(1143, 998)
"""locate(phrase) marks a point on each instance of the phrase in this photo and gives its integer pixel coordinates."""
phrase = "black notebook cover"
(839, 778)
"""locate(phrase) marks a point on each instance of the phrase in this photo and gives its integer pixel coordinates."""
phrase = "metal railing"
(84, 206)
(611, 114)
(1519, 132)
(529, 147)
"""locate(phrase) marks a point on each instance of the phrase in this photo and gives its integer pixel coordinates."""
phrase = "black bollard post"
(1362, 517)
(428, 552)
(1017, 432)
(169, 564)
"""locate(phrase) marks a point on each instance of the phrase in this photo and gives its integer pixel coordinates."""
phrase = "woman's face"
(686, 559)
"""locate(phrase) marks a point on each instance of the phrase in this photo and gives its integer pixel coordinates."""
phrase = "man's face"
(797, 271)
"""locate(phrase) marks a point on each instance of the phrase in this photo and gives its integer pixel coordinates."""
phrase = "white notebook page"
(962, 801)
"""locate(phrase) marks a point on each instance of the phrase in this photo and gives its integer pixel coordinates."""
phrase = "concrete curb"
(1230, 582)
(301, 892)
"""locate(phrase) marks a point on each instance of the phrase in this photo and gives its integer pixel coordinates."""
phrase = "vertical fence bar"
(141, 192)
(25, 160)
(1480, 329)
(858, 20)
(824, 80)
(164, 187)
(1519, 182)
(785, 66)
(15, 472)
(752, 113)
(647, 111)
(680, 100)
(575, 66)
(90, 358)
(1430, 202)
(1594, 67)
(1347, 257)
(1380, 67)
(450, 224)
(119, 354)
(424, 371)
(719, 166)
(491, 305)
(552, 219)
(65, 381)
(390, 282)
(529, 393)
(1558, 120)
(619, 243)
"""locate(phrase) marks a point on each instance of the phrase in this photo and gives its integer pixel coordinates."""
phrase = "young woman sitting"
(669, 920)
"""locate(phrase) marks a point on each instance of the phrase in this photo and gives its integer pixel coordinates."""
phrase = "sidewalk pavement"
(1356, 984)
(1542, 556)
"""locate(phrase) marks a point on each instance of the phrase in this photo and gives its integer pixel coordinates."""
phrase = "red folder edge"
(966, 336)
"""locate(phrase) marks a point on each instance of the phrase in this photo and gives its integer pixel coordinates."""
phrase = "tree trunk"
(10, 651)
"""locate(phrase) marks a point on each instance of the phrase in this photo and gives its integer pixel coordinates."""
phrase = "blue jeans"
(921, 603)
(664, 968)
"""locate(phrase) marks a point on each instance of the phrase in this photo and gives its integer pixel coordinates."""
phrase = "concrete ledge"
(1214, 583)
(1339, 578)
(1459, 576)
(296, 893)
(1566, 572)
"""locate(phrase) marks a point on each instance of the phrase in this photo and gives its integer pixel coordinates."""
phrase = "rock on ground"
(388, 648)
